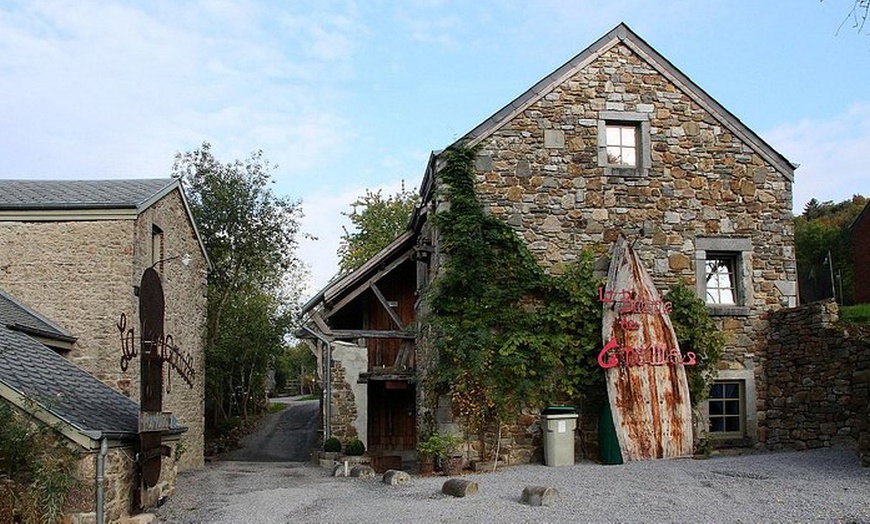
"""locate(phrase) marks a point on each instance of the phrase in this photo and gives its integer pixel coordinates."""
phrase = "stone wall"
(120, 484)
(818, 376)
(344, 414)
(541, 173)
(81, 274)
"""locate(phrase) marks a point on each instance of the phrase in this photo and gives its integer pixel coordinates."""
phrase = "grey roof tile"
(16, 315)
(79, 194)
(64, 389)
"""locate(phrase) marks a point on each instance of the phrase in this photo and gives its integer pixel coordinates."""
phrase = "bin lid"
(559, 410)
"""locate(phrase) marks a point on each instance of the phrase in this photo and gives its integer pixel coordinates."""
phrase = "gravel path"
(825, 485)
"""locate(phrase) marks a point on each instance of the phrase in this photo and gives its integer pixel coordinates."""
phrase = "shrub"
(355, 447)
(332, 445)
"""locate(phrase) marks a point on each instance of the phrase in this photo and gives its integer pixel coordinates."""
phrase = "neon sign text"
(613, 355)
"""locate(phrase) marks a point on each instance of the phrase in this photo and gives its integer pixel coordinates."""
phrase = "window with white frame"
(623, 143)
(727, 409)
(722, 269)
(721, 278)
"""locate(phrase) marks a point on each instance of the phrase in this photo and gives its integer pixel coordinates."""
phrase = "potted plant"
(354, 451)
(443, 448)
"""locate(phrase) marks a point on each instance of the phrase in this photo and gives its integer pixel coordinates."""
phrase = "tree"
(857, 16)
(377, 222)
(251, 238)
(823, 230)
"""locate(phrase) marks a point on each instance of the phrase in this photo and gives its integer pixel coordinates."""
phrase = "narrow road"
(286, 436)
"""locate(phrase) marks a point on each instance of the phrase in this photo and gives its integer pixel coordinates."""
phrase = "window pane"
(716, 408)
(716, 391)
(613, 136)
(717, 424)
(732, 424)
(614, 155)
(628, 157)
(732, 390)
(628, 136)
(732, 407)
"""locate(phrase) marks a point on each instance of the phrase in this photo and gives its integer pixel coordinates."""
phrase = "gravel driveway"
(825, 485)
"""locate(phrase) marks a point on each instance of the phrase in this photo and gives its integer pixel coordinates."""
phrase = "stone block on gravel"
(362, 471)
(459, 487)
(394, 477)
(539, 496)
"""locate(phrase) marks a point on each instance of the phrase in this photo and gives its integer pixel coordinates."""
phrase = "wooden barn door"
(392, 415)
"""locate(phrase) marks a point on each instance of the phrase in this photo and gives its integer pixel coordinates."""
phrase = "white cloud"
(323, 219)
(105, 89)
(832, 154)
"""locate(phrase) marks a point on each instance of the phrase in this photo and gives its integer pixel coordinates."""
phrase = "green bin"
(608, 442)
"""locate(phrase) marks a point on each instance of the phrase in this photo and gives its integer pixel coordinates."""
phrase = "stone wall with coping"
(81, 275)
(818, 377)
(541, 173)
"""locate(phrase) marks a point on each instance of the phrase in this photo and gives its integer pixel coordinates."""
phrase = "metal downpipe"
(101, 480)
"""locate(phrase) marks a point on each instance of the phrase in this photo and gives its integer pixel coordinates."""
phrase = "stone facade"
(702, 184)
(818, 376)
(82, 273)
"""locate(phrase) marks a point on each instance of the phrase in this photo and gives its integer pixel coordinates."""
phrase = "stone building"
(860, 236)
(616, 141)
(96, 421)
(76, 250)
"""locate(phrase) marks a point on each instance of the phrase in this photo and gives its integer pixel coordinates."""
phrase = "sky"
(346, 96)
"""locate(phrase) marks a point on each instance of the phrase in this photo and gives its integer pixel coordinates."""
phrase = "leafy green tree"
(377, 221)
(251, 237)
(296, 364)
(823, 229)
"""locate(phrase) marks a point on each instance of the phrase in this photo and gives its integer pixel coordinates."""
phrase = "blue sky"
(346, 95)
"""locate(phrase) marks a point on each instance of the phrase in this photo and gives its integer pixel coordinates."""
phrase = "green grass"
(859, 314)
(276, 407)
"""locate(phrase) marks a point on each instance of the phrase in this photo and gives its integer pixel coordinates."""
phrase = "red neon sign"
(613, 354)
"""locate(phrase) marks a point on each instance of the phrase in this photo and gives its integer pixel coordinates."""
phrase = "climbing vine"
(696, 332)
(507, 334)
(510, 336)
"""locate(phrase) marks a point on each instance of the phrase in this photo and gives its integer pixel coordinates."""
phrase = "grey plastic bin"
(559, 424)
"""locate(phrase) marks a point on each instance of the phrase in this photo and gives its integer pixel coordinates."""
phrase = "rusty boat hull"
(645, 370)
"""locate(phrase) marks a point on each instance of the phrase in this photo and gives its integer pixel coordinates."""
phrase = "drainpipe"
(101, 476)
(327, 380)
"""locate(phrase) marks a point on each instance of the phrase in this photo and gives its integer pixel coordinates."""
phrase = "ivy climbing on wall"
(507, 334)
(510, 336)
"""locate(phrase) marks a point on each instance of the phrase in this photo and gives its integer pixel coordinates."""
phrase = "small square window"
(720, 272)
(621, 145)
(726, 409)
(624, 144)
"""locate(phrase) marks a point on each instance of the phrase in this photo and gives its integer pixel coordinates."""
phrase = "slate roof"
(57, 385)
(80, 194)
(17, 316)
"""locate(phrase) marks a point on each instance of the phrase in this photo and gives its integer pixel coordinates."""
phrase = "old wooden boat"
(646, 376)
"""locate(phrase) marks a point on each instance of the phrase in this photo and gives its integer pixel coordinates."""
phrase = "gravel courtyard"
(826, 485)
